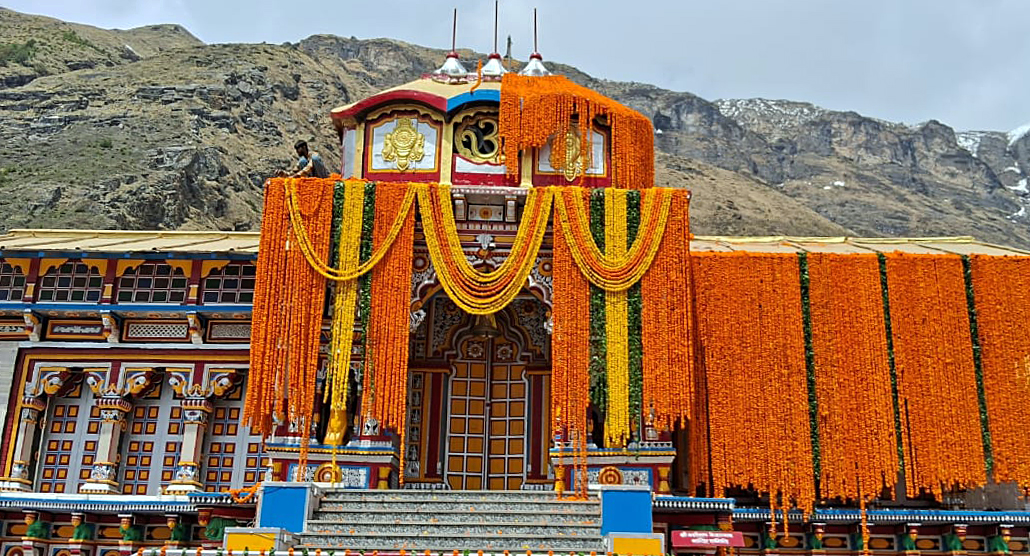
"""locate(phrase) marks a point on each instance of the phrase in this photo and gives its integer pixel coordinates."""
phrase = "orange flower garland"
(933, 356)
(288, 303)
(533, 109)
(853, 384)
(667, 328)
(1002, 291)
(570, 383)
(751, 330)
(612, 272)
(386, 356)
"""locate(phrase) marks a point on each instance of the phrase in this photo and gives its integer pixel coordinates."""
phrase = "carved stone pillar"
(24, 443)
(195, 414)
(103, 478)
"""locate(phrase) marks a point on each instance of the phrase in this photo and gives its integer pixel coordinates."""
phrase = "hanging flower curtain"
(613, 272)
(933, 355)
(477, 292)
(534, 110)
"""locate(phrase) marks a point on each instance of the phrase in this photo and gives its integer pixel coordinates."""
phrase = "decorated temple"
(490, 331)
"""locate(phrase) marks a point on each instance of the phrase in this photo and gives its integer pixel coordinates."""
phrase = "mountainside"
(150, 128)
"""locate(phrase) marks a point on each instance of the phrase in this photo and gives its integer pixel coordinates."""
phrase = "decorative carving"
(102, 472)
(195, 329)
(404, 145)
(19, 470)
(187, 472)
(575, 157)
(194, 416)
(415, 320)
(476, 139)
(370, 427)
(31, 324)
(111, 330)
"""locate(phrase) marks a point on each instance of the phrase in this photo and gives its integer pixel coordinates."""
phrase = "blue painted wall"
(285, 507)
(626, 511)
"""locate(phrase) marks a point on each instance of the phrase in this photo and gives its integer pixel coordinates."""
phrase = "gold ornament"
(575, 162)
(477, 140)
(404, 144)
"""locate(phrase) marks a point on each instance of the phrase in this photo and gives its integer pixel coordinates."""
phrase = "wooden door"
(486, 443)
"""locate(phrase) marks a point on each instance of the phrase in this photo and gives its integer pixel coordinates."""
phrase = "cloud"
(957, 61)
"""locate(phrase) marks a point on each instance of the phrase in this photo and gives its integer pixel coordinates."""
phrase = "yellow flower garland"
(613, 272)
(317, 263)
(616, 425)
(344, 301)
(480, 293)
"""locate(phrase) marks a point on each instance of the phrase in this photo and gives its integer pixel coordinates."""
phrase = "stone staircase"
(419, 520)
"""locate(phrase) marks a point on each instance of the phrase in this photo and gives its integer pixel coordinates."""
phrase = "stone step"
(390, 515)
(388, 529)
(469, 506)
(417, 542)
(338, 494)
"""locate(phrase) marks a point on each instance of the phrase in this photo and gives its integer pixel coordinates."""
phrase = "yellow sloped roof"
(121, 241)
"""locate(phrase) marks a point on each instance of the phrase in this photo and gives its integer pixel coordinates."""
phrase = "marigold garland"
(476, 292)
(288, 306)
(667, 328)
(570, 382)
(316, 262)
(616, 424)
(934, 364)
(344, 303)
(749, 317)
(852, 376)
(1002, 294)
(613, 272)
(535, 109)
(387, 340)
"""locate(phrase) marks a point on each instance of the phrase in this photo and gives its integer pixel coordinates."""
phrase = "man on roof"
(309, 165)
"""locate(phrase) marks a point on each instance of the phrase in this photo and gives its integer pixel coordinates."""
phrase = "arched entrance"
(487, 406)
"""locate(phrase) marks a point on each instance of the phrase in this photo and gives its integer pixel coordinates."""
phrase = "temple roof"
(125, 241)
(445, 97)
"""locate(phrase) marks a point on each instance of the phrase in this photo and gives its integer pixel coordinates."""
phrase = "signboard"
(707, 539)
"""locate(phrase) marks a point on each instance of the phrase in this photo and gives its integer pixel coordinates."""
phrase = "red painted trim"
(194, 280)
(472, 178)
(583, 181)
(536, 457)
(433, 101)
(421, 177)
(109, 280)
(435, 431)
(13, 415)
(32, 277)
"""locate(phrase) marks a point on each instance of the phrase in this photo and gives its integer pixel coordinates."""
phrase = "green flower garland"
(813, 398)
(981, 393)
(365, 281)
(598, 335)
(636, 303)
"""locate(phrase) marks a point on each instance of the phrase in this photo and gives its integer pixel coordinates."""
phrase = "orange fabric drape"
(667, 332)
(1002, 290)
(933, 355)
(752, 338)
(533, 109)
(852, 376)
(386, 356)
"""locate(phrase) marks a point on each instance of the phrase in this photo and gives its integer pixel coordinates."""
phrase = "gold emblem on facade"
(477, 140)
(404, 145)
(575, 159)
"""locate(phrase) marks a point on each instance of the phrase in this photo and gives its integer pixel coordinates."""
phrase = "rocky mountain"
(150, 129)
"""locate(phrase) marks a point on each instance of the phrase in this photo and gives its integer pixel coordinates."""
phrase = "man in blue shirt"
(310, 163)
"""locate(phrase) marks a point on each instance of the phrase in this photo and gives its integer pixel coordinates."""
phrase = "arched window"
(233, 283)
(152, 283)
(12, 283)
(71, 281)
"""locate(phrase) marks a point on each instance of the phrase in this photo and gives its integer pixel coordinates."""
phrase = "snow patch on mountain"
(779, 113)
(1018, 133)
(970, 140)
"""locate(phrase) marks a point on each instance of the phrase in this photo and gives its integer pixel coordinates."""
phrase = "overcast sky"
(963, 62)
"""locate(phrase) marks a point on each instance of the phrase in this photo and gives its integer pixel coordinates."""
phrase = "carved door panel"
(486, 442)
